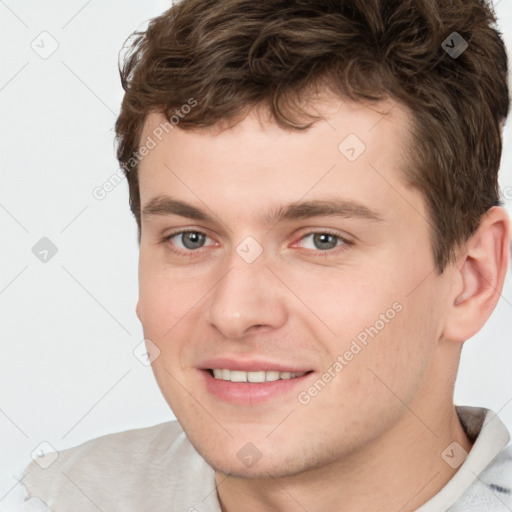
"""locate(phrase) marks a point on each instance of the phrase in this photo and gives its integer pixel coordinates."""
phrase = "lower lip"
(248, 393)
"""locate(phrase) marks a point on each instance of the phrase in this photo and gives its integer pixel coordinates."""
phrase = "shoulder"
(125, 467)
(112, 450)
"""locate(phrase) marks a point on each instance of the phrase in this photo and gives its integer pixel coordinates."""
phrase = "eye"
(325, 243)
(322, 243)
(186, 241)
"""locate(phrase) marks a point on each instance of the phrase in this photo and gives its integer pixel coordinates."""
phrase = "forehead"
(344, 127)
(358, 151)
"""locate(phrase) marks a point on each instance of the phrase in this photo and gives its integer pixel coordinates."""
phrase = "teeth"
(237, 376)
(270, 376)
(255, 376)
(258, 376)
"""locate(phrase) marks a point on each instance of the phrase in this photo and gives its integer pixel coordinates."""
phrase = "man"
(315, 185)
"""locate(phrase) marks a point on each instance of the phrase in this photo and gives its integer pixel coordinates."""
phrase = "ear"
(480, 274)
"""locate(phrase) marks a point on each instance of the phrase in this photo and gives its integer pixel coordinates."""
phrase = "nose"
(248, 298)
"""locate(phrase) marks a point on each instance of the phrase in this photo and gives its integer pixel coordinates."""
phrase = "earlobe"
(481, 275)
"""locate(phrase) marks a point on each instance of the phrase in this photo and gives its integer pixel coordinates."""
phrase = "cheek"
(171, 301)
(385, 334)
(395, 361)
(344, 302)
(167, 296)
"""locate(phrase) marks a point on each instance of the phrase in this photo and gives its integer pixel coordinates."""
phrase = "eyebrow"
(166, 205)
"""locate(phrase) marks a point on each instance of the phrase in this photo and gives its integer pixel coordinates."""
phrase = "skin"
(371, 439)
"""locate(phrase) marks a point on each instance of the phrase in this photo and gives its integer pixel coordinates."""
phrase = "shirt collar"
(490, 436)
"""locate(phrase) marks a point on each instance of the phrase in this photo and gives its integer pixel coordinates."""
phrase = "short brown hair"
(231, 55)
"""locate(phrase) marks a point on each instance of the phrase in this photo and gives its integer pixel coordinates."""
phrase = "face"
(301, 256)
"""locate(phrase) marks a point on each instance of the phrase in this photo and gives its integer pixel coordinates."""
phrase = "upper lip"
(252, 365)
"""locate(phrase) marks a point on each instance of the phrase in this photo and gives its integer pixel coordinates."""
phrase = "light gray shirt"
(157, 469)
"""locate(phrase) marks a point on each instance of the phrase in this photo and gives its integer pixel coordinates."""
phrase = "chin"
(229, 460)
(261, 470)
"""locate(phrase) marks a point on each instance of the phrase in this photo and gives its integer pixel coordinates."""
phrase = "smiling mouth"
(255, 377)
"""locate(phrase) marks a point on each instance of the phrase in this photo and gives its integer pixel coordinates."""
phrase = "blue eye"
(190, 240)
(190, 243)
(324, 241)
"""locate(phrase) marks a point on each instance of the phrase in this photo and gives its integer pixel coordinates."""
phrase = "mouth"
(258, 376)
(250, 388)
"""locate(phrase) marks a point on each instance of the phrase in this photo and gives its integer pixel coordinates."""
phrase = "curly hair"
(442, 59)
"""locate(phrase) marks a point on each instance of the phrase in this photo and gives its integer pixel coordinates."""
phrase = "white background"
(68, 327)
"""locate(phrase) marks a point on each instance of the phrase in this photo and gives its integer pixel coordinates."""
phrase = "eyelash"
(316, 253)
